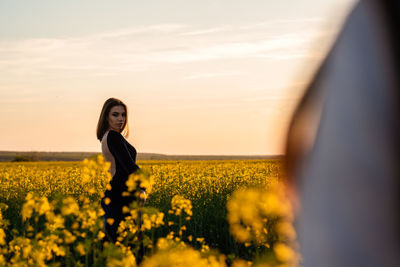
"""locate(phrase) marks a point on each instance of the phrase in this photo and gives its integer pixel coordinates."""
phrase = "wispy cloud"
(123, 33)
(213, 74)
(283, 46)
(139, 49)
(209, 30)
(297, 23)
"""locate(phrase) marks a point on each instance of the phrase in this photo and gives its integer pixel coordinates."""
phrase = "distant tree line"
(27, 157)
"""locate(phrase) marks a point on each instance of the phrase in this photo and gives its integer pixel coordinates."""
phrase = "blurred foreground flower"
(263, 218)
(139, 182)
(174, 254)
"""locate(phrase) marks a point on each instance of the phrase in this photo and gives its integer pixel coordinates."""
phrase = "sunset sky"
(198, 77)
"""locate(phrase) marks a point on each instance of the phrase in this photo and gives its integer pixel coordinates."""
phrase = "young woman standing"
(122, 156)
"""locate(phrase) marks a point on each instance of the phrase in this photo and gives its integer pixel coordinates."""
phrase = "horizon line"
(30, 151)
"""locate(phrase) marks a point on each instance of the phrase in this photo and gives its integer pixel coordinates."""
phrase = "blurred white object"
(143, 196)
(348, 178)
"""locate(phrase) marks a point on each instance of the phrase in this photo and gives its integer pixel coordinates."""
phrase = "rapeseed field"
(197, 213)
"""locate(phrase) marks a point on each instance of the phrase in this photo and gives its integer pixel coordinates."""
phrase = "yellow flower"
(178, 256)
(2, 237)
(80, 249)
(241, 263)
(284, 253)
(100, 235)
(179, 204)
(70, 206)
(75, 225)
(2, 260)
(110, 221)
(286, 229)
(68, 237)
(249, 212)
(27, 209)
(125, 209)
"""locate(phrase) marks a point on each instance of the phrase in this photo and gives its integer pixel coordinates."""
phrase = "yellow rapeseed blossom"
(101, 235)
(2, 237)
(28, 207)
(250, 209)
(54, 221)
(124, 259)
(179, 204)
(241, 263)
(70, 206)
(178, 256)
(286, 229)
(140, 179)
(80, 249)
(53, 228)
(110, 221)
(125, 209)
(250, 213)
(285, 254)
(68, 237)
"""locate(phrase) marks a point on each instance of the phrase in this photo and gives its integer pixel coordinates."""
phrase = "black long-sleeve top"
(125, 162)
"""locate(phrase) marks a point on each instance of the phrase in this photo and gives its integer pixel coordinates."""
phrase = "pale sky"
(198, 77)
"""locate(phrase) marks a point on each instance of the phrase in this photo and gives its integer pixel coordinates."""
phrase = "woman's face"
(116, 118)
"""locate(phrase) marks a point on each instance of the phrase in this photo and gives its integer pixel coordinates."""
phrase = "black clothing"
(125, 164)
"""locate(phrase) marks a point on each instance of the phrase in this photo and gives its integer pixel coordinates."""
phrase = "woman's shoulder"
(109, 133)
(114, 135)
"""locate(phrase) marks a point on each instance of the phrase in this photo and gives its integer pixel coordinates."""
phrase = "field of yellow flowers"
(197, 213)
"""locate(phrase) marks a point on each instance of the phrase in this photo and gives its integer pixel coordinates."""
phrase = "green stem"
(94, 248)
(180, 224)
(86, 259)
(152, 239)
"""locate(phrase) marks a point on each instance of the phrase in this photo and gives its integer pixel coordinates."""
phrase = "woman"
(122, 156)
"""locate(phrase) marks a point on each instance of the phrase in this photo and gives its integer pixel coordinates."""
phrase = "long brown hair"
(102, 125)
